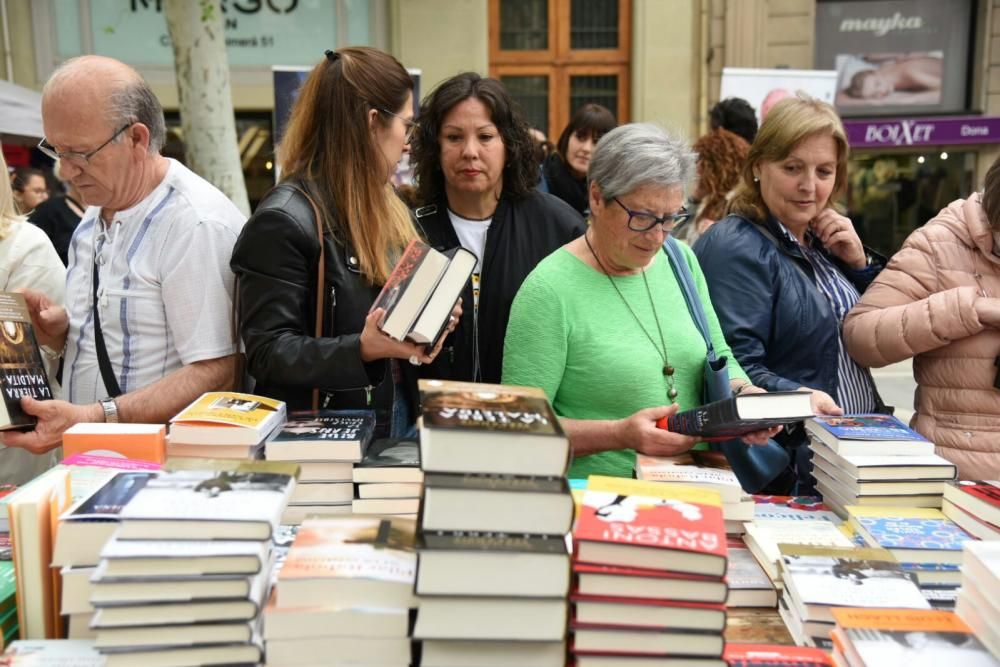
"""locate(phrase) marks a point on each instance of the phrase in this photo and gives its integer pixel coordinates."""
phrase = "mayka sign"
(904, 132)
(882, 26)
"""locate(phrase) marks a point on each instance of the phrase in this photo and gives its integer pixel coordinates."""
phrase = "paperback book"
(912, 534)
(21, 370)
(869, 435)
(324, 435)
(227, 418)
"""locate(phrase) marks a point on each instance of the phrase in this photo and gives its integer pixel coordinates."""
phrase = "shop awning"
(20, 112)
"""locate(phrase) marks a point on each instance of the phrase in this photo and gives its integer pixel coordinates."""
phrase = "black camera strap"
(103, 361)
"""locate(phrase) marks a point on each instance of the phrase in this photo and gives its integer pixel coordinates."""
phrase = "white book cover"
(668, 469)
(769, 534)
(116, 549)
(212, 495)
(743, 571)
(845, 582)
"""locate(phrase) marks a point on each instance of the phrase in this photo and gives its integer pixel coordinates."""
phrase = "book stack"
(184, 578)
(344, 594)
(875, 460)
(650, 561)
(749, 585)
(388, 479)
(923, 539)
(697, 469)
(138, 442)
(764, 535)
(883, 637)
(84, 530)
(494, 569)
(817, 579)
(224, 425)
(52, 653)
(978, 604)
(325, 445)
(974, 506)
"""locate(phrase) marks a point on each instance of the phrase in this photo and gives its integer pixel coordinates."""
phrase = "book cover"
(106, 502)
(739, 415)
(981, 498)
(864, 427)
(369, 548)
(433, 321)
(52, 653)
(769, 534)
(908, 528)
(391, 453)
(846, 581)
(743, 571)
(322, 435)
(635, 514)
(474, 406)
(492, 542)
(141, 442)
(506, 483)
(109, 462)
(682, 470)
(227, 418)
(795, 508)
(409, 286)
(21, 370)
(911, 637)
(774, 655)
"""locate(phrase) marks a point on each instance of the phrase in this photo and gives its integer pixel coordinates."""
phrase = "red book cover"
(774, 655)
(611, 599)
(408, 287)
(988, 492)
(593, 568)
(651, 525)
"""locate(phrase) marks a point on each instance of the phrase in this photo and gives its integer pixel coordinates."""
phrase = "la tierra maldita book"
(21, 370)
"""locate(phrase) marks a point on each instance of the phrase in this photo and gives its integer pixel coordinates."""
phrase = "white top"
(27, 259)
(166, 289)
(472, 235)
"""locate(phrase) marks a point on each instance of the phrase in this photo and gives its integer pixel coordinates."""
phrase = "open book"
(422, 290)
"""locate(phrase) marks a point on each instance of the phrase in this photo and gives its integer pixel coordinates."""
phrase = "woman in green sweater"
(601, 324)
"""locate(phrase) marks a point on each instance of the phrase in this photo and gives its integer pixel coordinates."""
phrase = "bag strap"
(320, 277)
(103, 360)
(682, 272)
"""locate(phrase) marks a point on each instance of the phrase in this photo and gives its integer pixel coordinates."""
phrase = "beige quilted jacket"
(922, 306)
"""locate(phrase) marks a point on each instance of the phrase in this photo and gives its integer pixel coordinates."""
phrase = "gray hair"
(638, 154)
(131, 99)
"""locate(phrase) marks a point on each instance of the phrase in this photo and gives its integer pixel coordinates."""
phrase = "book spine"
(704, 418)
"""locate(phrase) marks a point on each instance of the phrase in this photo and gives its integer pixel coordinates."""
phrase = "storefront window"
(892, 194)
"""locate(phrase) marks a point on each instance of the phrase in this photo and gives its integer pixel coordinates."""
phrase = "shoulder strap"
(686, 281)
(103, 360)
(320, 276)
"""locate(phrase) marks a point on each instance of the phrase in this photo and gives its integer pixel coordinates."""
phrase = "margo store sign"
(905, 132)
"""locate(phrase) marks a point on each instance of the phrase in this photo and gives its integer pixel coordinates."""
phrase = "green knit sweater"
(571, 335)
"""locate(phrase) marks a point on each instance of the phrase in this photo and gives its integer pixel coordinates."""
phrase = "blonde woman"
(27, 259)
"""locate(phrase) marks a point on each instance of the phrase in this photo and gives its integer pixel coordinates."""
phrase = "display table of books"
(207, 561)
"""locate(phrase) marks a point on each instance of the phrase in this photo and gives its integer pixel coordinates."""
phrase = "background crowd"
(136, 274)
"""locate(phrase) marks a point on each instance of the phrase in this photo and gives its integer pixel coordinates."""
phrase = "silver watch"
(110, 410)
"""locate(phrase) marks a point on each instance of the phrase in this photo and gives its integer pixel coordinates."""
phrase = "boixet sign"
(907, 132)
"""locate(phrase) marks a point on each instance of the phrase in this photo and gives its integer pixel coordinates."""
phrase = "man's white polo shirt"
(165, 297)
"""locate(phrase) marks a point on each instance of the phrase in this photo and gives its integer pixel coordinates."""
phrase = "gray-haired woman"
(601, 324)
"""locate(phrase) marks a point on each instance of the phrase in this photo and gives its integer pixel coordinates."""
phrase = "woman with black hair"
(474, 162)
(565, 170)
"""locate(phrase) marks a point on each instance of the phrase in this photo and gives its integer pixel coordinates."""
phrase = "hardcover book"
(884, 468)
(763, 538)
(633, 582)
(749, 585)
(227, 418)
(739, 415)
(408, 288)
(794, 508)
(324, 435)
(21, 370)
(197, 499)
(390, 460)
(682, 470)
(597, 610)
(979, 498)
(912, 534)
(141, 442)
(492, 429)
(650, 525)
(367, 561)
(432, 322)
(492, 618)
(774, 655)
(868, 435)
(909, 637)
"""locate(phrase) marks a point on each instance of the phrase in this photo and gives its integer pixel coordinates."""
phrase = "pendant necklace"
(668, 370)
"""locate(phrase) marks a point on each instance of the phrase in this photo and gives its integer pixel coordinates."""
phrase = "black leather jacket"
(275, 261)
(522, 233)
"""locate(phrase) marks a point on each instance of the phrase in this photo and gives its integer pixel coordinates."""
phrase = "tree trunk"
(206, 103)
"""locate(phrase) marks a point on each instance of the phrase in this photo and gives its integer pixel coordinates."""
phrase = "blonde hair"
(8, 211)
(328, 145)
(787, 124)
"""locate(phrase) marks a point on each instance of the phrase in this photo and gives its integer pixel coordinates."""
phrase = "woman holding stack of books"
(335, 208)
(784, 267)
(602, 325)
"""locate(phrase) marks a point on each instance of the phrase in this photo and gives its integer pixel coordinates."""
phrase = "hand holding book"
(375, 344)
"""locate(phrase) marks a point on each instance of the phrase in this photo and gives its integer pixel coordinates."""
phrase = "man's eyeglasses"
(74, 158)
(643, 222)
(411, 126)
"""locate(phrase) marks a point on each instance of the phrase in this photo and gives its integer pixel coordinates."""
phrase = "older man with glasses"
(149, 292)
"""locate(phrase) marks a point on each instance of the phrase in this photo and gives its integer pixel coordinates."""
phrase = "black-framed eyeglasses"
(411, 125)
(73, 157)
(643, 222)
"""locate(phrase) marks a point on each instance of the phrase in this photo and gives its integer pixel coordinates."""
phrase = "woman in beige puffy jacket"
(938, 301)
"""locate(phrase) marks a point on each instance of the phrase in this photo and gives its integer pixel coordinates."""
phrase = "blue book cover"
(868, 427)
(915, 533)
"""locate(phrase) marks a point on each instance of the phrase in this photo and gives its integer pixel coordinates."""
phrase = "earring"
(756, 179)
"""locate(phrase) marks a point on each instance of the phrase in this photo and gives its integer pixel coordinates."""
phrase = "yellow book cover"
(634, 487)
(852, 553)
(231, 409)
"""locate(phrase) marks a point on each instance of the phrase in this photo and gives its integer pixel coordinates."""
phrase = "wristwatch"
(110, 410)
